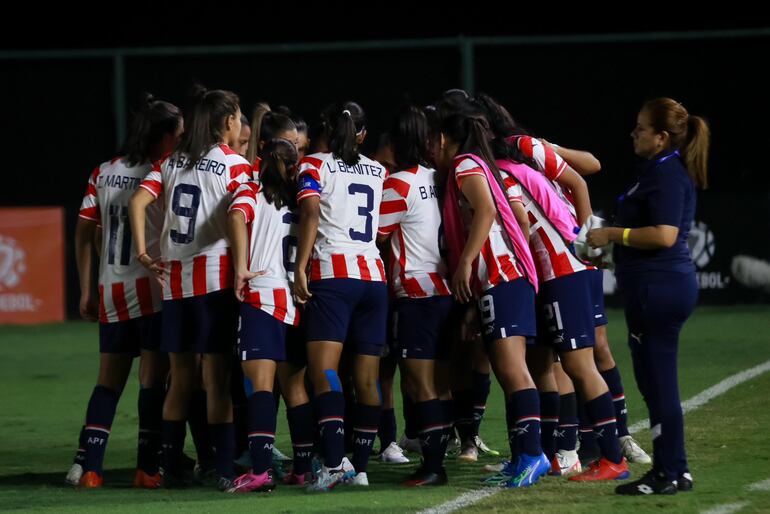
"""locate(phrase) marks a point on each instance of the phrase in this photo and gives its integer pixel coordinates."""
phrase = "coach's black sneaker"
(651, 483)
(423, 477)
(684, 482)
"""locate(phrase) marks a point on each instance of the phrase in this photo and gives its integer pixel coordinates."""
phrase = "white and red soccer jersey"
(411, 215)
(497, 262)
(551, 164)
(552, 255)
(127, 289)
(272, 249)
(193, 243)
(350, 199)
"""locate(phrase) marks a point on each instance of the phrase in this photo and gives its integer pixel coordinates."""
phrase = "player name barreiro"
(358, 169)
(210, 165)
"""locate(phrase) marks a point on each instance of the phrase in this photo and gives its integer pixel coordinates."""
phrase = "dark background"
(59, 121)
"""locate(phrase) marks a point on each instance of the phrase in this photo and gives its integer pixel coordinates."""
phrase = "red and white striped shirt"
(552, 255)
(548, 162)
(127, 289)
(411, 215)
(497, 262)
(350, 199)
(272, 249)
(193, 243)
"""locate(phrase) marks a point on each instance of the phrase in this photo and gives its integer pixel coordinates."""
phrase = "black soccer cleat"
(684, 482)
(651, 483)
(422, 477)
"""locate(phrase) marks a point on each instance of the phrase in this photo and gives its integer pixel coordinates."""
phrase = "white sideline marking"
(727, 508)
(760, 486)
(712, 392)
(700, 399)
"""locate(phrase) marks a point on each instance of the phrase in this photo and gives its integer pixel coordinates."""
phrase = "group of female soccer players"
(457, 257)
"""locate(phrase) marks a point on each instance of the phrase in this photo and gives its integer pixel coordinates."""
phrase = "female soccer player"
(410, 216)
(196, 184)
(260, 223)
(129, 297)
(339, 199)
(657, 276)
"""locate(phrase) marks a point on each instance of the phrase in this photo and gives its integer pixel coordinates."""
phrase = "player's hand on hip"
(242, 278)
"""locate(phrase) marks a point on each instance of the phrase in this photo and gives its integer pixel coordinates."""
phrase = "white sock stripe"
(303, 445)
(366, 430)
(330, 419)
(567, 426)
(605, 422)
(530, 418)
(98, 428)
(549, 420)
(262, 434)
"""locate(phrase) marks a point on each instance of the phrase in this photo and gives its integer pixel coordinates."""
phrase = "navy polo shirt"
(663, 194)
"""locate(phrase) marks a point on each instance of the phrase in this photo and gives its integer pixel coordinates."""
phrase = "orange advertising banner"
(31, 265)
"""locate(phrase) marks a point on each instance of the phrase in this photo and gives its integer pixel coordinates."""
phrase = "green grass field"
(47, 373)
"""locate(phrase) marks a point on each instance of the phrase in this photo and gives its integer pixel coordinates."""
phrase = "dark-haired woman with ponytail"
(656, 274)
(339, 200)
(129, 302)
(260, 221)
(490, 262)
(196, 184)
(410, 216)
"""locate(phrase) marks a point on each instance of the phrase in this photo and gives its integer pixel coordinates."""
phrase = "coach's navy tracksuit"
(660, 291)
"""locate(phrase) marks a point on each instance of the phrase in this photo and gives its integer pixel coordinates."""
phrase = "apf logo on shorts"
(12, 265)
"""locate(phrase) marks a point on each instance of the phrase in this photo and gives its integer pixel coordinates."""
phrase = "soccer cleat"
(422, 478)
(250, 482)
(280, 456)
(205, 474)
(502, 476)
(410, 445)
(484, 448)
(565, 463)
(495, 468)
(469, 452)
(453, 447)
(588, 454)
(684, 482)
(394, 454)
(298, 479)
(224, 484)
(91, 480)
(143, 480)
(175, 481)
(328, 479)
(360, 479)
(529, 470)
(603, 469)
(651, 483)
(74, 475)
(632, 451)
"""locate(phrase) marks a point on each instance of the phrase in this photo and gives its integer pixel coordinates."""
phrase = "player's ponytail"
(276, 176)
(260, 110)
(153, 120)
(409, 138)
(347, 122)
(502, 125)
(205, 121)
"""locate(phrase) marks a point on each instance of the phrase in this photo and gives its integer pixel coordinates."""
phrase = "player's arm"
(585, 163)
(521, 217)
(239, 241)
(654, 237)
(310, 214)
(85, 231)
(137, 207)
(571, 180)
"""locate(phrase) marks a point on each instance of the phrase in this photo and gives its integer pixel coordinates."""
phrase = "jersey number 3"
(365, 211)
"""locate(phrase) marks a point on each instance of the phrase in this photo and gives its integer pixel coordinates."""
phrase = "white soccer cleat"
(410, 445)
(394, 454)
(483, 448)
(327, 479)
(360, 480)
(74, 475)
(453, 448)
(569, 462)
(469, 452)
(632, 451)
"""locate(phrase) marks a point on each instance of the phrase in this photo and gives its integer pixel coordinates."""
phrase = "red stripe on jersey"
(315, 269)
(363, 268)
(225, 271)
(240, 169)
(509, 181)
(95, 173)
(391, 206)
(508, 268)
(176, 280)
(399, 186)
(387, 229)
(339, 266)
(281, 304)
(412, 287)
(153, 187)
(252, 297)
(119, 301)
(227, 150)
(91, 190)
(402, 252)
(314, 174)
(144, 295)
(307, 193)
(551, 172)
(532, 219)
(102, 310)
(413, 170)
(316, 163)
(381, 268)
(199, 275)
(489, 259)
(90, 213)
(525, 145)
(248, 212)
(559, 262)
(439, 284)
(250, 191)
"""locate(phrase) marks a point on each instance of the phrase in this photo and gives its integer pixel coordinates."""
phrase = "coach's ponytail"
(205, 121)
(279, 157)
(346, 123)
(153, 120)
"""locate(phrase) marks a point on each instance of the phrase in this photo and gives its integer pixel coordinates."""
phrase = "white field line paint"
(760, 486)
(712, 392)
(727, 508)
(700, 399)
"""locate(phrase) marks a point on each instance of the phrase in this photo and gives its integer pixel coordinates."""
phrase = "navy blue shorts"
(422, 327)
(597, 297)
(565, 312)
(260, 335)
(131, 336)
(348, 310)
(506, 310)
(201, 324)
